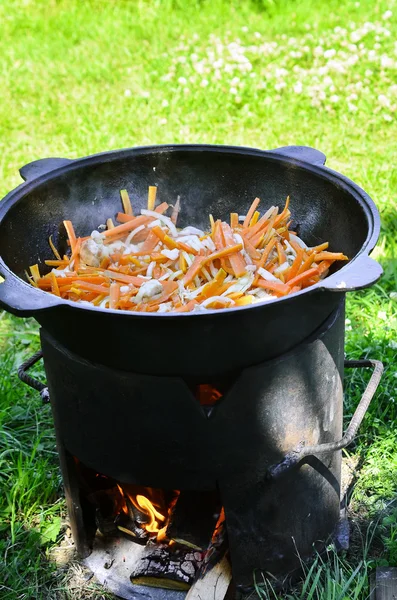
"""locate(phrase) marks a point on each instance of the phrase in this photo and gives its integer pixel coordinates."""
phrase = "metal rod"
(296, 455)
(31, 381)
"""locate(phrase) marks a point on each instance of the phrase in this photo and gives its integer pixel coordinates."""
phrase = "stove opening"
(168, 538)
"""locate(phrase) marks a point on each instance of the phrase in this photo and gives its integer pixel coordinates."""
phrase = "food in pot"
(148, 264)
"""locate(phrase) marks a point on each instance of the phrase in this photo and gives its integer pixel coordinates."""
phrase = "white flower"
(204, 82)
(386, 62)
(368, 73)
(280, 85)
(352, 107)
(329, 53)
(127, 93)
(388, 118)
(393, 344)
(235, 81)
(163, 121)
(182, 80)
(387, 15)
(298, 87)
(145, 94)
(244, 29)
(383, 100)
(164, 103)
(334, 99)
(382, 315)
(318, 51)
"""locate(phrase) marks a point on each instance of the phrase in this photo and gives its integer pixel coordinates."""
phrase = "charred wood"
(167, 567)
(193, 519)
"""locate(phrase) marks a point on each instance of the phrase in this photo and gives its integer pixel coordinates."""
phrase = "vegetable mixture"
(147, 264)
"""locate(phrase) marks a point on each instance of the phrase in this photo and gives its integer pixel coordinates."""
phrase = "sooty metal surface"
(152, 431)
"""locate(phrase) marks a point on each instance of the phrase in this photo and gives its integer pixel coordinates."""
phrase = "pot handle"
(295, 456)
(304, 153)
(360, 273)
(31, 381)
(20, 298)
(42, 166)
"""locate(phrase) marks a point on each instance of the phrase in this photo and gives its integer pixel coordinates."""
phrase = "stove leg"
(79, 523)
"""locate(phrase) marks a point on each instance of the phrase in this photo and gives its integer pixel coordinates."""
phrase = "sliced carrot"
(114, 295)
(300, 279)
(224, 252)
(266, 252)
(233, 220)
(251, 212)
(55, 251)
(281, 254)
(137, 281)
(125, 199)
(236, 260)
(320, 247)
(323, 266)
(151, 198)
(175, 211)
(251, 250)
(294, 268)
(218, 235)
(247, 299)
(71, 234)
(34, 269)
(254, 219)
(186, 307)
(283, 214)
(150, 243)
(54, 284)
(279, 288)
(194, 269)
(57, 263)
(91, 287)
(306, 264)
(329, 256)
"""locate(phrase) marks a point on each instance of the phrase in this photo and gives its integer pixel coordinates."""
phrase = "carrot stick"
(114, 295)
(71, 234)
(137, 281)
(254, 219)
(236, 260)
(233, 220)
(248, 299)
(330, 256)
(176, 209)
(323, 266)
(150, 243)
(151, 198)
(281, 254)
(54, 284)
(320, 247)
(279, 288)
(300, 279)
(306, 264)
(218, 236)
(125, 199)
(224, 252)
(56, 263)
(283, 214)
(186, 307)
(251, 212)
(251, 250)
(266, 252)
(294, 268)
(194, 269)
(91, 287)
(123, 218)
(55, 251)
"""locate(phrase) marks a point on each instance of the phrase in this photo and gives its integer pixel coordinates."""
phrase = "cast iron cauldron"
(210, 179)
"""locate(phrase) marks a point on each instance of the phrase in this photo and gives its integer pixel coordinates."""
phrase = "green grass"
(84, 77)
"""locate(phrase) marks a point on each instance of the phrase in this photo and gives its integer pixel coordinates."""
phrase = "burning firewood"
(214, 577)
(193, 519)
(167, 567)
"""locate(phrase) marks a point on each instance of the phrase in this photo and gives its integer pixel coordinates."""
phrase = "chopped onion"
(208, 243)
(241, 285)
(190, 231)
(165, 276)
(282, 268)
(166, 220)
(134, 232)
(165, 307)
(187, 258)
(171, 254)
(150, 289)
(213, 269)
(104, 302)
(149, 272)
(175, 275)
(206, 274)
(251, 268)
(267, 275)
(221, 299)
(156, 223)
(290, 249)
(298, 241)
(193, 241)
(124, 289)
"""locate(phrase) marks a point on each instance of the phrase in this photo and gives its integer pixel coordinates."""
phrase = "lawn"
(80, 77)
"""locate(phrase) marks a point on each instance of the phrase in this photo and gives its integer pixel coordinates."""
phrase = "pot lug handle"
(295, 456)
(41, 167)
(20, 298)
(305, 153)
(360, 273)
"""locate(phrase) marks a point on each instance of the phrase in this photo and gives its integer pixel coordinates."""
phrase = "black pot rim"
(366, 203)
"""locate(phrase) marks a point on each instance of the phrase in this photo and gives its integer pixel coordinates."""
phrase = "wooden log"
(214, 578)
(193, 519)
(167, 567)
(386, 583)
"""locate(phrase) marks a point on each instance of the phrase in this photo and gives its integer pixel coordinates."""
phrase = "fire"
(153, 510)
